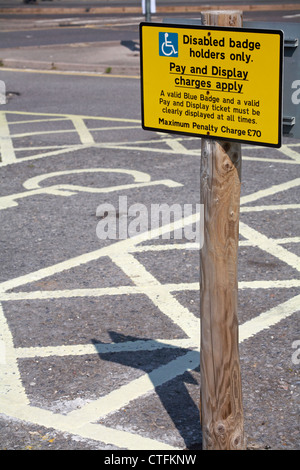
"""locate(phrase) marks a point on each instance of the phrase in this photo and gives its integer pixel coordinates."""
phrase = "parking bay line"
(6, 147)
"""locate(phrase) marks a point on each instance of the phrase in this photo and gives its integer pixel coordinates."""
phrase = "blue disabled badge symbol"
(168, 44)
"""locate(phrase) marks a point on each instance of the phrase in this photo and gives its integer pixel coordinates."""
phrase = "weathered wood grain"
(221, 404)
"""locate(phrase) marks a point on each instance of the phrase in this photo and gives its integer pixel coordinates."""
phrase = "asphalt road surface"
(99, 338)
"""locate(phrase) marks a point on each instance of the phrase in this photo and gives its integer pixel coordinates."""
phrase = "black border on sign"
(219, 28)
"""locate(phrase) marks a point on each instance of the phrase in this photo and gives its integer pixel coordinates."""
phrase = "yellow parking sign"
(214, 82)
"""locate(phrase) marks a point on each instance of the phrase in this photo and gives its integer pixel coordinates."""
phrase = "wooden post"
(221, 406)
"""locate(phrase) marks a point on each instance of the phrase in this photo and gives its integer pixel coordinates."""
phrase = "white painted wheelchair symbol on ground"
(168, 47)
(33, 187)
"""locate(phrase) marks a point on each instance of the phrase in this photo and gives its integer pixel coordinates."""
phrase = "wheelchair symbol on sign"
(168, 44)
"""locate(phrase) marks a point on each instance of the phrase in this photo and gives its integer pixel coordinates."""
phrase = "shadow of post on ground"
(173, 394)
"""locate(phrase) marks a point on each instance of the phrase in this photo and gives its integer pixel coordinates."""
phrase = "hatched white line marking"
(13, 400)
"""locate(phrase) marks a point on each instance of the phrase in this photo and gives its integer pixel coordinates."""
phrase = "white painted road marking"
(13, 398)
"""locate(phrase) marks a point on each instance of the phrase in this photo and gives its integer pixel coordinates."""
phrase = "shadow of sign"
(182, 412)
(131, 45)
